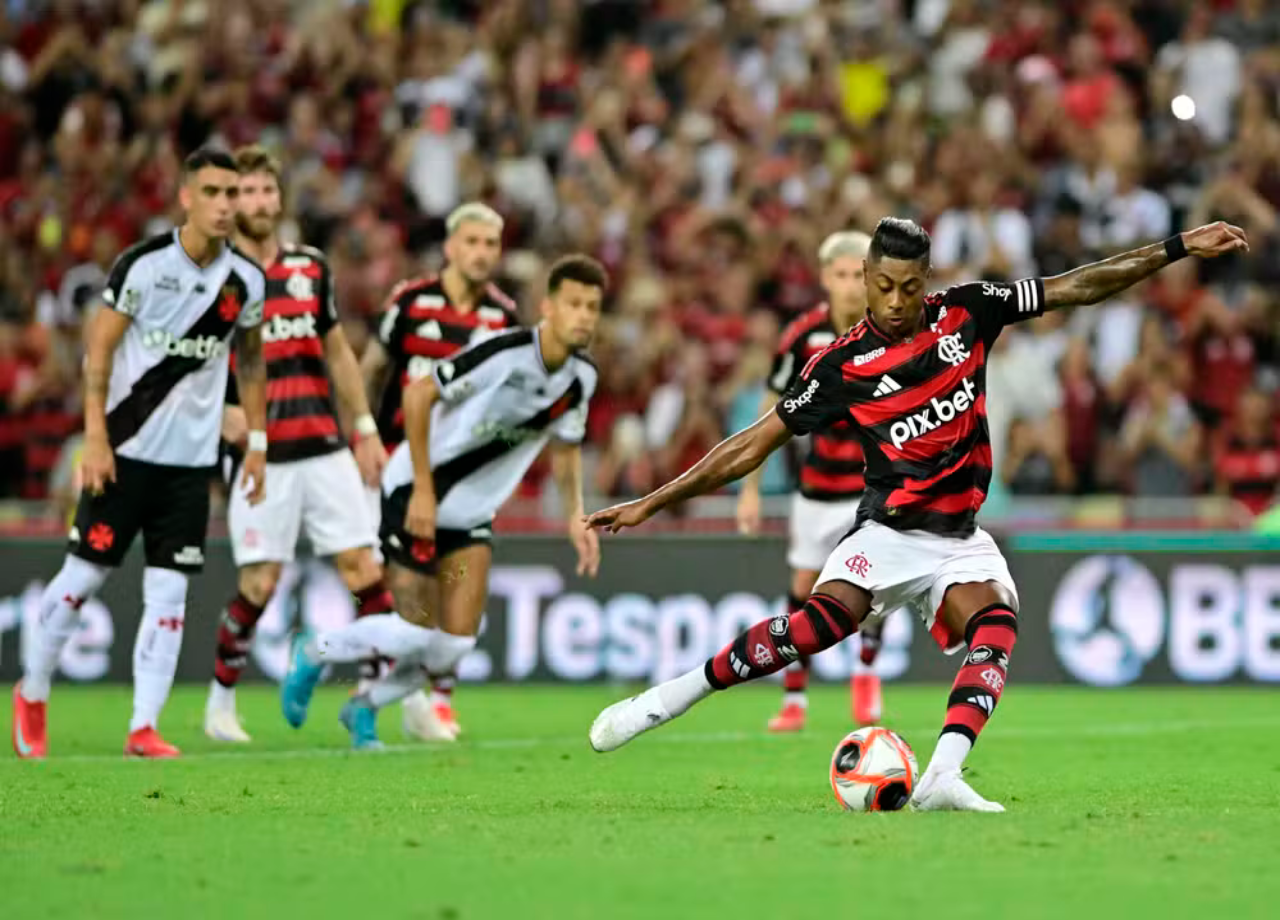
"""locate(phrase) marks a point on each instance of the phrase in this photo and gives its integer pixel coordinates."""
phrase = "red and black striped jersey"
(419, 326)
(833, 467)
(919, 405)
(298, 313)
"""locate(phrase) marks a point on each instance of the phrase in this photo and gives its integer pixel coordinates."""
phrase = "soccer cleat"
(147, 743)
(948, 792)
(224, 725)
(30, 736)
(790, 719)
(361, 720)
(427, 721)
(867, 701)
(622, 721)
(299, 683)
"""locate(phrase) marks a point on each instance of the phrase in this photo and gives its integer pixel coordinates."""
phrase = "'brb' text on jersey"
(298, 314)
(169, 372)
(833, 468)
(418, 327)
(498, 407)
(919, 405)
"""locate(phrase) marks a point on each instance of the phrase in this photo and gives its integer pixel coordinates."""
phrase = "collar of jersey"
(537, 348)
(177, 241)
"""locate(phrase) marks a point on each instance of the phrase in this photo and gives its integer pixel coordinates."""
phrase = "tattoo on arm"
(249, 360)
(1095, 282)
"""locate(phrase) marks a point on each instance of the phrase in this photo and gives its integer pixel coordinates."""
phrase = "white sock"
(795, 698)
(221, 697)
(75, 583)
(949, 755)
(155, 653)
(370, 636)
(679, 693)
(401, 682)
(445, 651)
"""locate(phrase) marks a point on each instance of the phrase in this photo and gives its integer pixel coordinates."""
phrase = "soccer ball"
(873, 769)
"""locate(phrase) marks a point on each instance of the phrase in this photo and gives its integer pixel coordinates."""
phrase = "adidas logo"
(886, 386)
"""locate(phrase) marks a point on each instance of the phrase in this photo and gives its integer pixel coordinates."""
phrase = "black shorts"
(169, 504)
(402, 548)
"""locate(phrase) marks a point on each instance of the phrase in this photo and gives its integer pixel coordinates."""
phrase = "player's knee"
(995, 625)
(80, 578)
(258, 582)
(358, 568)
(164, 588)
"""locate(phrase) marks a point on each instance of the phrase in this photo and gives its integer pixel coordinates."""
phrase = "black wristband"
(1174, 248)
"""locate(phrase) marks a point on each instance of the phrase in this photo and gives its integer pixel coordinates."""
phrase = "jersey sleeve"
(571, 428)
(474, 368)
(127, 285)
(816, 398)
(328, 314)
(996, 305)
(256, 294)
(390, 327)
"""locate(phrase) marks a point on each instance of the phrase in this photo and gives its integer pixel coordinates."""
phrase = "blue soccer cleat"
(299, 683)
(361, 720)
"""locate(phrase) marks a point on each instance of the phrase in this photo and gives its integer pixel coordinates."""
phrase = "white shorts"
(816, 529)
(914, 569)
(324, 494)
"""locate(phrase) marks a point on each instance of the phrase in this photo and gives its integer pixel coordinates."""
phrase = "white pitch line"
(1096, 730)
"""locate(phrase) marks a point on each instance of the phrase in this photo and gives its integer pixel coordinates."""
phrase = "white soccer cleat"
(422, 720)
(622, 721)
(224, 725)
(948, 792)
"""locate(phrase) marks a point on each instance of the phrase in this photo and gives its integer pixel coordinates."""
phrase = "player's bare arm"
(566, 469)
(371, 456)
(251, 379)
(375, 368)
(729, 460)
(98, 464)
(748, 512)
(1095, 282)
(419, 397)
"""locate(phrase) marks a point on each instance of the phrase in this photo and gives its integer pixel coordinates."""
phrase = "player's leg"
(866, 700)
(795, 677)
(464, 589)
(105, 526)
(263, 538)
(976, 606)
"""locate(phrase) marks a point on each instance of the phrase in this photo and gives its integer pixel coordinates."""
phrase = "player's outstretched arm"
(106, 329)
(370, 454)
(566, 469)
(1095, 282)
(419, 397)
(729, 460)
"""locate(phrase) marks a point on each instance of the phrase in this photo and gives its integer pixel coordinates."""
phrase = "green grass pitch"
(1134, 803)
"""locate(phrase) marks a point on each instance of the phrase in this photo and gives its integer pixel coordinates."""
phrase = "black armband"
(1175, 248)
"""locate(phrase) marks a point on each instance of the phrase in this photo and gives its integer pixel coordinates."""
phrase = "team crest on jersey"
(951, 349)
(299, 287)
(228, 304)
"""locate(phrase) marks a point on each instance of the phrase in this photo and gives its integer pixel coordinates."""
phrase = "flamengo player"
(831, 479)
(928, 468)
(315, 479)
(474, 426)
(155, 375)
(425, 320)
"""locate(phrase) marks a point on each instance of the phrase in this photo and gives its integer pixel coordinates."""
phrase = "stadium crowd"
(702, 150)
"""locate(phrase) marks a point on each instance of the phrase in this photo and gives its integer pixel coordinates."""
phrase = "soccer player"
(155, 376)
(473, 427)
(424, 321)
(315, 478)
(912, 377)
(831, 479)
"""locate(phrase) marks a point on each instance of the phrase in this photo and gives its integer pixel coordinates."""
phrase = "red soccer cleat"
(30, 735)
(864, 690)
(791, 719)
(448, 718)
(146, 742)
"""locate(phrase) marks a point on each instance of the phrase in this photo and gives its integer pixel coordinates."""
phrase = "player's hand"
(235, 427)
(1214, 240)
(749, 511)
(97, 465)
(587, 542)
(371, 457)
(617, 517)
(253, 475)
(420, 519)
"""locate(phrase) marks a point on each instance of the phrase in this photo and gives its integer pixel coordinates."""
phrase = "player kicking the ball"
(473, 427)
(154, 378)
(915, 542)
(831, 479)
(315, 479)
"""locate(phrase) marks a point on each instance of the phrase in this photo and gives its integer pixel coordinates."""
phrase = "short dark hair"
(899, 238)
(579, 268)
(254, 158)
(207, 156)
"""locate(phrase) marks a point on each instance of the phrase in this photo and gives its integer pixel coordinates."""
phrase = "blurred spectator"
(1247, 462)
(1160, 439)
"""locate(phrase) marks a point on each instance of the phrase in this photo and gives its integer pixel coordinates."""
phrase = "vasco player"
(914, 542)
(426, 320)
(474, 426)
(155, 375)
(315, 479)
(831, 479)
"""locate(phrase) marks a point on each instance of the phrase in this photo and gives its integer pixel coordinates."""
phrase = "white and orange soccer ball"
(873, 769)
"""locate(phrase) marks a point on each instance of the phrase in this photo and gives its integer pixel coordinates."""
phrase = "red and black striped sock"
(990, 635)
(235, 634)
(372, 599)
(771, 645)
(795, 679)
